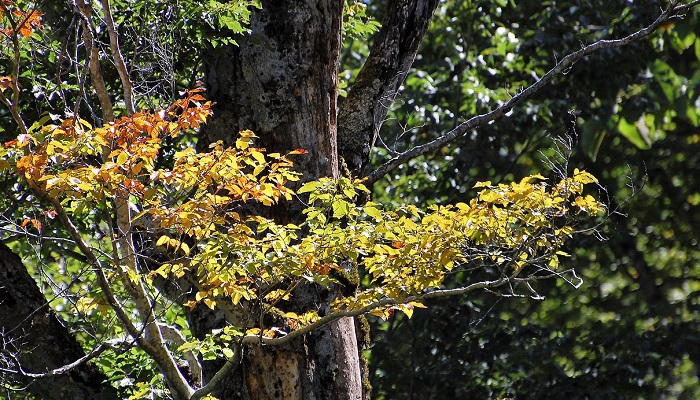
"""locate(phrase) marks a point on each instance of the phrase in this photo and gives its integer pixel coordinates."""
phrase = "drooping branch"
(361, 114)
(62, 369)
(234, 360)
(560, 68)
(253, 339)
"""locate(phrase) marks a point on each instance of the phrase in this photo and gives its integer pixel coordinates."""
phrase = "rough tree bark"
(281, 83)
(31, 331)
(364, 109)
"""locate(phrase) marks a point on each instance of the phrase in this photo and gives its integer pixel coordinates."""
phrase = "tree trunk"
(281, 83)
(33, 333)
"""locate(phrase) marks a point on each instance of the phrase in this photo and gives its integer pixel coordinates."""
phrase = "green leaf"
(633, 134)
(593, 133)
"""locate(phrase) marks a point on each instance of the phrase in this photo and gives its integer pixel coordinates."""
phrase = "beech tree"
(240, 269)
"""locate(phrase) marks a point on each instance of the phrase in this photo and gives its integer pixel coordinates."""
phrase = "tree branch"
(251, 339)
(12, 104)
(560, 68)
(234, 360)
(64, 369)
(363, 111)
(118, 58)
(173, 334)
(93, 56)
(154, 344)
(29, 334)
(222, 373)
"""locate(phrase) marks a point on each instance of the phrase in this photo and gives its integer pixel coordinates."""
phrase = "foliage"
(408, 250)
(626, 332)
(192, 212)
(188, 223)
(134, 226)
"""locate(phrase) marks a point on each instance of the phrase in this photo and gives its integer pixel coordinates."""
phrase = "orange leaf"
(5, 82)
(324, 269)
(35, 222)
(26, 21)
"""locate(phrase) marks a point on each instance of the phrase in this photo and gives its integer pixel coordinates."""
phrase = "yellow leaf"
(210, 303)
(185, 248)
(163, 240)
(122, 158)
(5, 82)
(85, 304)
(417, 304)
(259, 169)
(554, 262)
(163, 270)
(482, 184)
(259, 157)
(407, 309)
(191, 304)
(184, 153)
(277, 294)
(247, 134)
(242, 144)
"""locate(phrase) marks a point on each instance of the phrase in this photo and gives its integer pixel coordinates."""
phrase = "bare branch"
(560, 68)
(93, 54)
(12, 104)
(63, 369)
(118, 58)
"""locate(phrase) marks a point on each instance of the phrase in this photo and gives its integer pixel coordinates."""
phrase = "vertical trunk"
(281, 83)
(31, 330)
